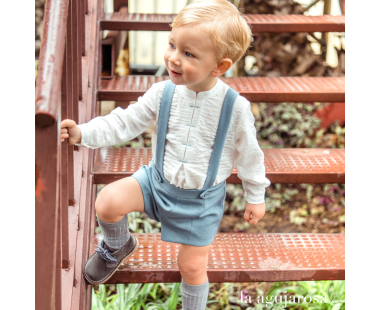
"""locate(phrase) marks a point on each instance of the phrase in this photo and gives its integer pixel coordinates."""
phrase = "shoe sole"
(127, 255)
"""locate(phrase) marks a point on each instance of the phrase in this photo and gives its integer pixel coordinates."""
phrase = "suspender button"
(157, 176)
(205, 195)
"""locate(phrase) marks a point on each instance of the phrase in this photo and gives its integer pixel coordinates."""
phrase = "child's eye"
(171, 45)
(189, 54)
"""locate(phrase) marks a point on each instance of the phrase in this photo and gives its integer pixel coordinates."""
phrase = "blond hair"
(226, 26)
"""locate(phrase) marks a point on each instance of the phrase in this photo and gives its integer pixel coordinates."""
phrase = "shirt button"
(158, 178)
(207, 194)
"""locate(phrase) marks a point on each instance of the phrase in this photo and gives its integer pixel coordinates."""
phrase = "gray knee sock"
(194, 297)
(115, 234)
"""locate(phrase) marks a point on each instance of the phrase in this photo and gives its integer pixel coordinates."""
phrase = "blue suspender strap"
(224, 123)
(163, 119)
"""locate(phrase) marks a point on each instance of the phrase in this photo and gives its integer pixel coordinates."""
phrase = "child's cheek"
(191, 72)
(166, 57)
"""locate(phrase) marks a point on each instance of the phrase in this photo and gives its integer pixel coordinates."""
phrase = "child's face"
(191, 53)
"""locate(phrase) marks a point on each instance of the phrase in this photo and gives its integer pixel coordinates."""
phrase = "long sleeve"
(121, 124)
(249, 158)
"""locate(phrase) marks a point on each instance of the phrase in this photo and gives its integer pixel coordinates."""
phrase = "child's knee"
(105, 202)
(192, 268)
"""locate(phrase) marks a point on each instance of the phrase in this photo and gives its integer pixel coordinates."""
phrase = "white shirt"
(190, 137)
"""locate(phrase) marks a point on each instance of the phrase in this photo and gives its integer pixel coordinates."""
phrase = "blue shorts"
(187, 216)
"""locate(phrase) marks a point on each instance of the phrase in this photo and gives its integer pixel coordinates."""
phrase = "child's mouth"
(175, 73)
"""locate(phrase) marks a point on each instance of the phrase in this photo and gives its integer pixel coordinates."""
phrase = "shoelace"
(105, 254)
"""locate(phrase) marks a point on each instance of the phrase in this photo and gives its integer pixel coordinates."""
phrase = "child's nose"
(174, 59)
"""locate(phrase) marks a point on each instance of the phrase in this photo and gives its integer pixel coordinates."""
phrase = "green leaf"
(174, 297)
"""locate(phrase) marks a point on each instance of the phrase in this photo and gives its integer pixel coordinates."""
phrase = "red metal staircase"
(260, 23)
(69, 85)
(256, 89)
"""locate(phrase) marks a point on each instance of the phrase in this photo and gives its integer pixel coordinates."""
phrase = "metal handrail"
(50, 209)
(51, 63)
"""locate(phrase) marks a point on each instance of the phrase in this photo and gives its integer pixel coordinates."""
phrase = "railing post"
(64, 203)
(46, 214)
(71, 97)
(77, 89)
(117, 4)
(82, 26)
(48, 157)
(58, 259)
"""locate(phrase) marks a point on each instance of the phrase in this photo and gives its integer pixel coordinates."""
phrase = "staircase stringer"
(82, 230)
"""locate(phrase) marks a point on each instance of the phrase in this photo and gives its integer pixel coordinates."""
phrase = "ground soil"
(278, 222)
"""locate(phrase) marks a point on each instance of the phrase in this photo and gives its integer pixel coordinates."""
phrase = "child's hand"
(254, 212)
(69, 129)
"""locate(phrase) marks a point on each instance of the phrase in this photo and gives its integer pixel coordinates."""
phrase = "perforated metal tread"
(255, 89)
(258, 22)
(242, 258)
(282, 165)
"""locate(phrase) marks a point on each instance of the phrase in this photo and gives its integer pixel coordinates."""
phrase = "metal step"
(242, 258)
(255, 89)
(281, 165)
(258, 22)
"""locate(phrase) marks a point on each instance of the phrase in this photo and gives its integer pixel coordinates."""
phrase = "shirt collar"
(203, 94)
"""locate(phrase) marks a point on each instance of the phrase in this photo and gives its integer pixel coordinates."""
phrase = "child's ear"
(223, 66)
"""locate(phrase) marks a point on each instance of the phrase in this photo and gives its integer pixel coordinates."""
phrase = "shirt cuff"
(255, 199)
(83, 136)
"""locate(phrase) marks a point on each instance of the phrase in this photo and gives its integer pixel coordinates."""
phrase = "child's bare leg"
(118, 199)
(113, 204)
(192, 264)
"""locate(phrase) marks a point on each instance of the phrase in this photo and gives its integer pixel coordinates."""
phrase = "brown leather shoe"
(104, 263)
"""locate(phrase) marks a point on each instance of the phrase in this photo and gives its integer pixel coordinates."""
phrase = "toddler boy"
(203, 129)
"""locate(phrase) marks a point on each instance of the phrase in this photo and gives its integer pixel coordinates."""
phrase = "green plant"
(311, 295)
(35, 69)
(140, 223)
(277, 195)
(224, 298)
(294, 125)
(150, 296)
(287, 124)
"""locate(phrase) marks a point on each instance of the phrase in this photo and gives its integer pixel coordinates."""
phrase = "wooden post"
(343, 6)
(325, 35)
(117, 4)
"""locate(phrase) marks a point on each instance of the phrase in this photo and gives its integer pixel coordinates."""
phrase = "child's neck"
(205, 85)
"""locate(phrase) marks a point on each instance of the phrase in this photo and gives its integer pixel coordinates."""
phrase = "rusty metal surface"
(64, 177)
(118, 4)
(342, 4)
(58, 259)
(79, 51)
(90, 243)
(75, 291)
(255, 89)
(281, 165)
(82, 25)
(70, 113)
(48, 83)
(72, 48)
(242, 258)
(86, 112)
(48, 158)
(258, 22)
(57, 224)
(46, 215)
(305, 165)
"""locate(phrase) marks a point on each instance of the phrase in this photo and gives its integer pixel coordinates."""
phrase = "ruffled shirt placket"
(193, 104)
